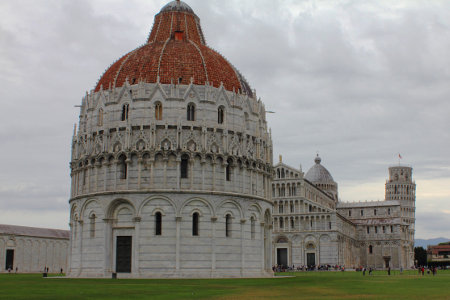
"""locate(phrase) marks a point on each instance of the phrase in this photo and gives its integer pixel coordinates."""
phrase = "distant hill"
(425, 243)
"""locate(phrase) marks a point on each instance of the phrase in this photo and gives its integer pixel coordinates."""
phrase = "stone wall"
(33, 254)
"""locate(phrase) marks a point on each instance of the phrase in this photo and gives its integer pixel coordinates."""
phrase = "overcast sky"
(357, 81)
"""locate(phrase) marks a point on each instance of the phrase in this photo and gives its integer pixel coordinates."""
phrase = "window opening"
(123, 169)
(158, 223)
(228, 225)
(228, 170)
(92, 226)
(220, 115)
(191, 112)
(184, 167)
(125, 109)
(195, 224)
(253, 227)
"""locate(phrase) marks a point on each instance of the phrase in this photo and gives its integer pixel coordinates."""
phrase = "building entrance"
(282, 257)
(310, 259)
(9, 263)
(387, 259)
(123, 254)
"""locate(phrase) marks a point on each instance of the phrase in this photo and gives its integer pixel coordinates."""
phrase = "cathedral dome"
(318, 173)
(175, 52)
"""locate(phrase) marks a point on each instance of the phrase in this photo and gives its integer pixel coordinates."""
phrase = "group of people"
(46, 270)
(432, 270)
(282, 268)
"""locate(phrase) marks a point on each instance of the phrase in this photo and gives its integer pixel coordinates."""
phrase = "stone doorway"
(387, 260)
(9, 263)
(123, 254)
(310, 259)
(282, 259)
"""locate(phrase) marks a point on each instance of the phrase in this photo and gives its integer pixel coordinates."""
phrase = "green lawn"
(305, 285)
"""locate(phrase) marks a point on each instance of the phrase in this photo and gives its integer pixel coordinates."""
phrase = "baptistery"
(171, 164)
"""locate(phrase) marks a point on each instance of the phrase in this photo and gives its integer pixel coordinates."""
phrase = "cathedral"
(172, 176)
(313, 228)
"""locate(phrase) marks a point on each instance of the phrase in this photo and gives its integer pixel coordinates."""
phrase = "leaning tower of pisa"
(401, 187)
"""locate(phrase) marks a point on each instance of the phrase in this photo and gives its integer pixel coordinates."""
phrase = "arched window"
(281, 223)
(374, 212)
(228, 169)
(122, 167)
(292, 224)
(370, 249)
(278, 173)
(100, 117)
(252, 227)
(184, 166)
(158, 111)
(92, 225)
(191, 112)
(158, 223)
(125, 109)
(195, 217)
(228, 225)
(389, 211)
(220, 114)
(280, 208)
(368, 229)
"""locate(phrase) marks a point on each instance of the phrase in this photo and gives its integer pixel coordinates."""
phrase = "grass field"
(305, 285)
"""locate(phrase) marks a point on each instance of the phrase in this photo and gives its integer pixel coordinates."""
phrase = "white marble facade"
(171, 176)
(125, 171)
(309, 221)
(31, 250)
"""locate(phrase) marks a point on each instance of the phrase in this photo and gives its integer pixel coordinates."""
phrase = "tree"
(420, 256)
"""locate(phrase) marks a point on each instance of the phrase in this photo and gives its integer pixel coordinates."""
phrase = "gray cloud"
(359, 81)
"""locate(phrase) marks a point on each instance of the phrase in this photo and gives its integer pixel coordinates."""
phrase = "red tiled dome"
(175, 52)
